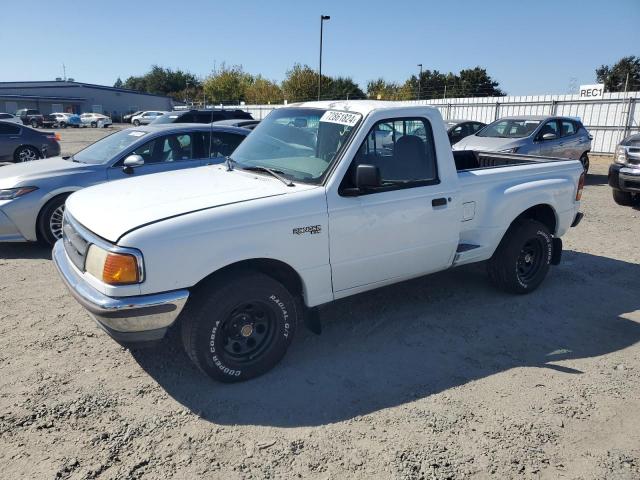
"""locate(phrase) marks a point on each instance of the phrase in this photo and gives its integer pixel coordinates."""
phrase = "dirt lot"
(441, 377)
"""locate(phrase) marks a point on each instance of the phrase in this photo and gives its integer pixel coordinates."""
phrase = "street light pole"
(322, 19)
(419, 81)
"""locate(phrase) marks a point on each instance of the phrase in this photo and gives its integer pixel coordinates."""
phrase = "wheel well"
(276, 269)
(542, 213)
(60, 195)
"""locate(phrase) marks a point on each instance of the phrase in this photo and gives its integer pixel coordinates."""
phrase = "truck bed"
(471, 160)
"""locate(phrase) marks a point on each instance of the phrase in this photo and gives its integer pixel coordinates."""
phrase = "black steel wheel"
(239, 326)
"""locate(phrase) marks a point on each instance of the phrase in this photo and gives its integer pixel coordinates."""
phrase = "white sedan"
(7, 117)
(147, 117)
(95, 120)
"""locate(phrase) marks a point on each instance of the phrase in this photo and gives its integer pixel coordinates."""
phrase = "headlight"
(621, 155)
(11, 193)
(112, 268)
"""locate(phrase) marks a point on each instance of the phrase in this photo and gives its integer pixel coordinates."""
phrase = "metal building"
(77, 97)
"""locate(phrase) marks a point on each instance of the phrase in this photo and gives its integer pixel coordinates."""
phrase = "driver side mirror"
(549, 136)
(131, 162)
(365, 178)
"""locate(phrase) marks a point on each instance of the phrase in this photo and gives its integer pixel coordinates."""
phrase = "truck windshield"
(109, 147)
(298, 143)
(509, 128)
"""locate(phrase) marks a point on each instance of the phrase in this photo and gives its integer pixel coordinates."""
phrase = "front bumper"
(625, 178)
(8, 230)
(136, 319)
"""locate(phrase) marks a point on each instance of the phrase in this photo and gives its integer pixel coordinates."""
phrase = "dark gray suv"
(19, 143)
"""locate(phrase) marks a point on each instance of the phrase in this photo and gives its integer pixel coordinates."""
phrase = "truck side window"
(403, 150)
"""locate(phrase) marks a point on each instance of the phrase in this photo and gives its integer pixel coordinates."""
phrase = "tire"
(136, 122)
(584, 159)
(63, 125)
(34, 123)
(522, 260)
(94, 124)
(49, 224)
(622, 198)
(26, 153)
(240, 326)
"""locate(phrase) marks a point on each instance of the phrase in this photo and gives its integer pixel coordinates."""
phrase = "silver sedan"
(33, 194)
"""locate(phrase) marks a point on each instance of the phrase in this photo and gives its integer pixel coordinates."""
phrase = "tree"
(380, 89)
(118, 83)
(342, 88)
(263, 91)
(227, 84)
(162, 81)
(615, 76)
(301, 84)
(475, 82)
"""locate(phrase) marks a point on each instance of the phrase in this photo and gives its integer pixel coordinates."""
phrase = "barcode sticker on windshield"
(343, 118)
(136, 134)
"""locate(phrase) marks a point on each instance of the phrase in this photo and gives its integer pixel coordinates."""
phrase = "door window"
(403, 150)
(221, 144)
(476, 126)
(549, 127)
(8, 129)
(568, 128)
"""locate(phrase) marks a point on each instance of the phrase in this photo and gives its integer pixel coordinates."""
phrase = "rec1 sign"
(587, 92)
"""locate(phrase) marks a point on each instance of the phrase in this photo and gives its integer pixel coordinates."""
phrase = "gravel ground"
(440, 377)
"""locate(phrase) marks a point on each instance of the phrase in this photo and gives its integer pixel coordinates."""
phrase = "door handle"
(439, 202)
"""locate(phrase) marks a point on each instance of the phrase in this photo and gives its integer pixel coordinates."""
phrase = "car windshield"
(509, 128)
(109, 147)
(298, 143)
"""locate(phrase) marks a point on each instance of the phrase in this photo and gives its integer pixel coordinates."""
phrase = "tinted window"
(221, 144)
(509, 128)
(549, 127)
(5, 115)
(178, 147)
(8, 129)
(568, 128)
(402, 149)
(476, 126)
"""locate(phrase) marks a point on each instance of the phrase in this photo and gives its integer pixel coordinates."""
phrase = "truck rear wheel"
(622, 198)
(240, 326)
(521, 261)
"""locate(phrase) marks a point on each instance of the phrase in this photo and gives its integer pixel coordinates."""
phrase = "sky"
(531, 48)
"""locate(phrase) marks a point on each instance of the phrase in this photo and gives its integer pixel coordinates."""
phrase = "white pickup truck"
(312, 207)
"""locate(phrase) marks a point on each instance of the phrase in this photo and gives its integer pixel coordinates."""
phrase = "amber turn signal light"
(580, 187)
(120, 269)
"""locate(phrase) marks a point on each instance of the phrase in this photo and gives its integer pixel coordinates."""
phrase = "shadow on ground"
(594, 179)
(30, 250)
(411, 340)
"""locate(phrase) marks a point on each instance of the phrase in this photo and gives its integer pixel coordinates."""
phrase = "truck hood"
(28, 173)
(487, 144)
(112, 209)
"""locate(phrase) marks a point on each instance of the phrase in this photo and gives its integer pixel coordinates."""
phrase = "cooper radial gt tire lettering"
(522, 260)
(240, 326)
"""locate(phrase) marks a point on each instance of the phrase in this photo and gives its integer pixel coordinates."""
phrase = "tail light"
(580, 187)
(55, 136)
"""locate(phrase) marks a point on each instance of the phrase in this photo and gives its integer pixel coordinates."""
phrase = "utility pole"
(322, 19)
(64, 72)
(445, 91)
(419, 81)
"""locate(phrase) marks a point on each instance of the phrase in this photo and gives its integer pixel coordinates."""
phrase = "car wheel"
(136, 122)
(63, 125)
(34, 123)
(521, 261)
(622, 198)
(584, 159)
(94, 124)
(50, 220)
(26, 154)
(240, 326)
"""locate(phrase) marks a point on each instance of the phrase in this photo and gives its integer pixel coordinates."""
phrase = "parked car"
(560, 137)
(7, 117)
(62, 120)
(30, 116)
(624, 172)
(238, 122)
(19, 143)
(36, 192)
(127, 118)
(145, 118)
(459, 129)
(252, 247)
(203, 116)
(95, 120)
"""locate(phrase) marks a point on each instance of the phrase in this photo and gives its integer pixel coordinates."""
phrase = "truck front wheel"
(240, 326)
(521, 261)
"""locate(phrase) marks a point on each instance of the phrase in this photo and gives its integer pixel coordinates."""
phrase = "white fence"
(608, 119)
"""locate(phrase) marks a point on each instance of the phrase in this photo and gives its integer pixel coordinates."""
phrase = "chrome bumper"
(126, 319)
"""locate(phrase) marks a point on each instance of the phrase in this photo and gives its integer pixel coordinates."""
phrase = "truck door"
(406, 227)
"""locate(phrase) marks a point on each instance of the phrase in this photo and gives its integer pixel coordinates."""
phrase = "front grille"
(631, 185)
(74, 244)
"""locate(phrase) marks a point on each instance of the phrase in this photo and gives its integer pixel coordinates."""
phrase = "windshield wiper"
(274, 173)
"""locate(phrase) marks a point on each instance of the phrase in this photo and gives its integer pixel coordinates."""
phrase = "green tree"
(342, 88)
(380, 89)
(301, 84)
(119, 83)
(263, 91)
(228, 84)
(625, 72)
(475, 82)
(162, 81)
